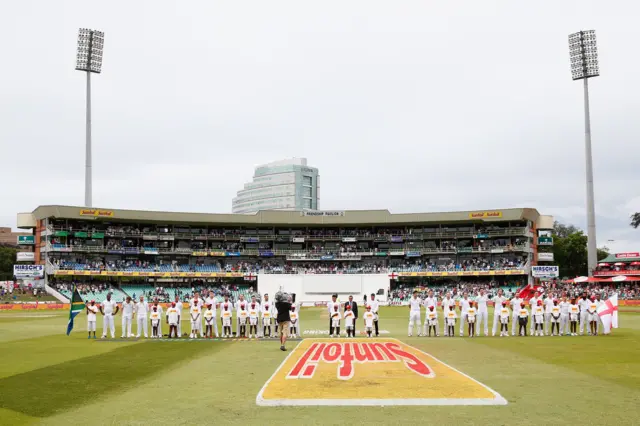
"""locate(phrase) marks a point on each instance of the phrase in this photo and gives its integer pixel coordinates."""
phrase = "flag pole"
(73, 292)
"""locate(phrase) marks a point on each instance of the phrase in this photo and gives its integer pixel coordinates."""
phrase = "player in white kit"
(497, 306)
(179, 307)
(294, 315)
(230, 305)
(583, 304)
(598, 320)
(195, 313)
(330, 305)
(335, 319)
(431, 318)
(537, 313)
(209, 320)
(548, 307)
(127, 317)
(471, 319)
(450, 322)
(533, 302)
(226, 316)
(349, 319)
(556, 314)
(429, 301)
(448, 305)
(160, 312)
(564, 316)
(592, 316)
(483, 312)
(173, 319)
(369, 318)
(516, 302)
(196, 306)
(92, 310)
(375, 306)
(574, 313)
(254, 314)
(464, 308)
(414, 313)
(266, 313)
(523, 319)
(242, 314)
(211, 300)
(156, 318)
(504, 318)
(109, 308)
(140, 311)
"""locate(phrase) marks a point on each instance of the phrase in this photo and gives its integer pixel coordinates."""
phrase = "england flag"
(608, 312)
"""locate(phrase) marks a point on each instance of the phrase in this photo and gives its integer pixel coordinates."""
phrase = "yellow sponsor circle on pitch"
(379, 371)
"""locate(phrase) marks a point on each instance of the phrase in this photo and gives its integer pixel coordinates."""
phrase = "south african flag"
(77, 306)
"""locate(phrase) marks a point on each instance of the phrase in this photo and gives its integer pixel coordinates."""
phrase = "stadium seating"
(276, 268)
(100, 296)
(144, 289)
(198, 268)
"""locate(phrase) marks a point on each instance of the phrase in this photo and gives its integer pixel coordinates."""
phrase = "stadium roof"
(276, 217)
(621, 257)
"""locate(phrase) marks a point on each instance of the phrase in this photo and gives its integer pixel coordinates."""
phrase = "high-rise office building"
(280, 185)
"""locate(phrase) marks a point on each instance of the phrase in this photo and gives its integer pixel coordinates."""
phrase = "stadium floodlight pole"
(89, 60)
(583, 52)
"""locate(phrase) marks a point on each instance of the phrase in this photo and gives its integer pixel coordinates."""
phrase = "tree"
(570, 250)
(603, 252)
(635, 220)
(7, 260)
(563, 231)
(570, 253)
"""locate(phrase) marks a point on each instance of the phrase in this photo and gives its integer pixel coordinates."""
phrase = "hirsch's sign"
(545, 271)
(381, 371)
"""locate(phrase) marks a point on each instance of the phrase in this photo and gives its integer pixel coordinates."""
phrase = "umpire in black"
(354, 308)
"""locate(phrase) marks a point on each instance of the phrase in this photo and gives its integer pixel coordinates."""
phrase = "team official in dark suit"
(354, 308)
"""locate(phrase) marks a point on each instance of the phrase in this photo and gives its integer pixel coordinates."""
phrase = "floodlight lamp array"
(90, 47)
(583, 53)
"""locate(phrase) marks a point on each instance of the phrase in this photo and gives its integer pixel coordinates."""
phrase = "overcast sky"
(411, 106)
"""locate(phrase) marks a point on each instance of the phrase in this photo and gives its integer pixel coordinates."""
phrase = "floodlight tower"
(583, 52)
(89, 60)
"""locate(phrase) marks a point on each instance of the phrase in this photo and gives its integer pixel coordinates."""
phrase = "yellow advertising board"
(96, 213)
(463, 273)
(150, 274)
(485, 215)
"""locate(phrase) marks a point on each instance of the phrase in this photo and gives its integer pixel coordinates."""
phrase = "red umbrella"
(621, 278)
(619, 264)
(635, 263)
(587, 280)
(603, 264)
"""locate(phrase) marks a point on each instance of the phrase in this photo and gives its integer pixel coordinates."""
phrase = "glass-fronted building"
(280, 185)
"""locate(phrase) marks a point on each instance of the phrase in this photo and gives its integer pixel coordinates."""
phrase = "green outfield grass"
(49, 378)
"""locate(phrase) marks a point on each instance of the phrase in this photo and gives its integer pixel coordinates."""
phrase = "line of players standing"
(349, 316)
(548, 316)
(253, 319)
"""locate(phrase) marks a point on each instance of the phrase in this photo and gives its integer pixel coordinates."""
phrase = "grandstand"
(140, 251)
(91, 292)
(168, 294)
